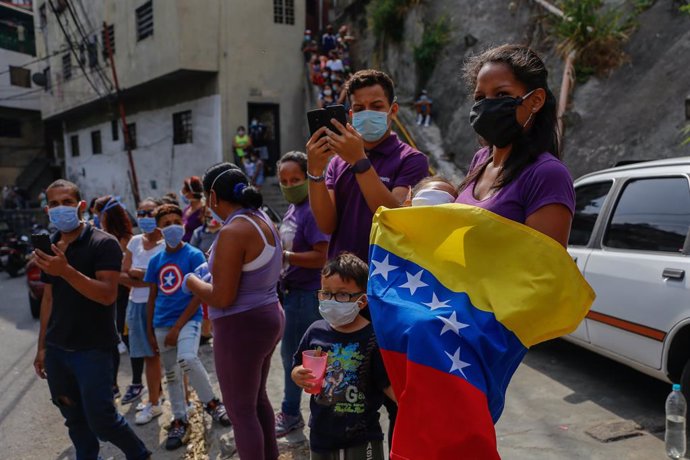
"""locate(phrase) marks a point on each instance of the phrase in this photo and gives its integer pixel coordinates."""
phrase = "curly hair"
(114, 218)
(164, 210)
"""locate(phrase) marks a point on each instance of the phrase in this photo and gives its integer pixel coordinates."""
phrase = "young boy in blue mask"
(345, 413)
(174, 323)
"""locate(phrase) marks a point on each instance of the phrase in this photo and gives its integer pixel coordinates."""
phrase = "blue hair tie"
(237, 191)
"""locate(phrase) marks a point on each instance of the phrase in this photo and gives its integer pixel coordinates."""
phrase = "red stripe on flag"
(440, 416)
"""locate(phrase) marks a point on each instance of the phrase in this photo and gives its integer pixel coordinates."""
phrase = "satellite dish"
(39, 79)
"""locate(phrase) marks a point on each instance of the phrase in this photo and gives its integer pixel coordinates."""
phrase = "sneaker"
(177, 435)
(149, 413)
(133, 393)
(217, 411)
(287, 423)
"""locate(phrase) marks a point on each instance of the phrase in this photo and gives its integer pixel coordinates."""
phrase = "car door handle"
(673, 274)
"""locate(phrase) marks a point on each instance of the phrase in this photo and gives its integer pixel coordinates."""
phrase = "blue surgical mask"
(215, 216)
(338, 313)
(96, 221)
(371, 124)
(185, 200)
(173, 235)
(65, 218)
(147, 224)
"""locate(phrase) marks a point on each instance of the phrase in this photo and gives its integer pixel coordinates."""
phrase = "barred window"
(67, 66)
(182, 127)
(145, 20)
(290, 12)
(74, 142)
(108, 34)
(96, 146)
(278, 11)
(132, 131)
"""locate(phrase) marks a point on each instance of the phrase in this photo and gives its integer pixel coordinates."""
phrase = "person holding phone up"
(77, 331)
(372, 167)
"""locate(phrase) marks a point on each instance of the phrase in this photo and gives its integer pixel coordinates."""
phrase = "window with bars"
(284, 11)
(182, 127)
(74, 143)
(290, 12)
(108, 33)
(145, 20)
(114, 130)
(96, 146)
(278, 12)
(67, 66)
(132, 131)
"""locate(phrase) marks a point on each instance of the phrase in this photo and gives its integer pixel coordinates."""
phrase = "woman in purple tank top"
(248, 321)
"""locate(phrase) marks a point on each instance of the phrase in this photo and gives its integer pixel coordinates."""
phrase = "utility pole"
(123, 117)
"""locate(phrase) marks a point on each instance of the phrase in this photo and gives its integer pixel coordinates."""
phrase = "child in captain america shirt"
(174, 323)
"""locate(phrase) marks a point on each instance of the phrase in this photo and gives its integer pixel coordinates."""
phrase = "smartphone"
(42, 241)
(322, 117)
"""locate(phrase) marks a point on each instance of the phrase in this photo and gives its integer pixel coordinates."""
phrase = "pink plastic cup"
(317, 366)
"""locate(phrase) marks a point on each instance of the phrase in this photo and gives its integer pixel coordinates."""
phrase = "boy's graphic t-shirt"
(167, 270)
(346, 412)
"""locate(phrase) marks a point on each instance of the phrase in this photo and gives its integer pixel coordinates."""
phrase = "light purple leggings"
(242, 348)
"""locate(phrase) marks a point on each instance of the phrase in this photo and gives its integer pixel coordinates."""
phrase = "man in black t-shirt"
(77, 333)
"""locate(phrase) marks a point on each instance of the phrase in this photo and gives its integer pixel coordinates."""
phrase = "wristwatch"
(361, 166)
(320, 178)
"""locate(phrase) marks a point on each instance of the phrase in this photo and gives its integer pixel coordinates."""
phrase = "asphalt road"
(558, 394)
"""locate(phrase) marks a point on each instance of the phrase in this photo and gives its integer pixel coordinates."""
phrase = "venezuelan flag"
(457, 296)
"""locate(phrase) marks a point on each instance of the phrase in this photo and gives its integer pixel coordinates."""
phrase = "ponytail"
(231, 184)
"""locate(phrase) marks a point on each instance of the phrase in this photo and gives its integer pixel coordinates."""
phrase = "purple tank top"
(257, 288)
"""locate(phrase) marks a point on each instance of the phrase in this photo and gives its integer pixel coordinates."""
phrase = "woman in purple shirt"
(518, 175)
(193, 212)
(304, 255)
(248, 320)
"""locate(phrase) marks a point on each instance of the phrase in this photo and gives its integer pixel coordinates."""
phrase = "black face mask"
(496, 119)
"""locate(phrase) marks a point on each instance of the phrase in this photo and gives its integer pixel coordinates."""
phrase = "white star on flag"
(435, 303)
(452, 324)
(458, 364)
(414, 282)
(382, 268)
(169, 279)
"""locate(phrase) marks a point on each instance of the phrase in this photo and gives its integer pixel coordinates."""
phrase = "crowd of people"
(330, 65)
(318, 258)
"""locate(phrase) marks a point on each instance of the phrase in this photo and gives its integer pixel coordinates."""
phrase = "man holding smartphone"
(77, 332)
(372, 167)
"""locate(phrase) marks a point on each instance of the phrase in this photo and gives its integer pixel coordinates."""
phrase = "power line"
(71, 46)
(55, 53)
(82, 31)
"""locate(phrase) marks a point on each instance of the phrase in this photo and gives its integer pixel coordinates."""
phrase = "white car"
(630, 238)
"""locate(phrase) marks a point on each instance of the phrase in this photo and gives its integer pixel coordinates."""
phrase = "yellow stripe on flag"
(524, 277)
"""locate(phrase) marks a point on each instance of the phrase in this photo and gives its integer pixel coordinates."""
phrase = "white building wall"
(161, 166)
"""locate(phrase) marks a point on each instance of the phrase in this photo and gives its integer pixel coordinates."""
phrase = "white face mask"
(338, 313)
(432, 198)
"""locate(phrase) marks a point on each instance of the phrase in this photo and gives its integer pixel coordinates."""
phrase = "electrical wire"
(72, 48)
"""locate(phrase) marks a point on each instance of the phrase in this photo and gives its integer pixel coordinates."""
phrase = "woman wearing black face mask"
(518, 175)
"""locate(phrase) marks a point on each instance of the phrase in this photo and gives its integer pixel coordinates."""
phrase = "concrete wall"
(184, 38)
(261, 63)
(158, 162)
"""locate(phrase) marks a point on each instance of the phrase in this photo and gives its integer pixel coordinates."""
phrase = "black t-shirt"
(346, 412)
(76, 322)
(258, 134)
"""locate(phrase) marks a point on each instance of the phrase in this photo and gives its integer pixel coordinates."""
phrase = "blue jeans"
(81, 386)
(183, 357)
(301, 310)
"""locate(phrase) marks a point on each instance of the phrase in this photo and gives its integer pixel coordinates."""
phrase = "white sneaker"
(148, 414)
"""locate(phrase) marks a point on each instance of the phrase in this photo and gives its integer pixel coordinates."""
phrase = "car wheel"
(35, 305)
(685, 381)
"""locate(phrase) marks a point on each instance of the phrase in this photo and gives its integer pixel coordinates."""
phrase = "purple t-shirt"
(192, 221)
(546, 181)
(397, 164)
(299, 233)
